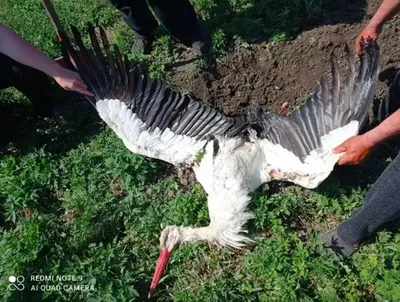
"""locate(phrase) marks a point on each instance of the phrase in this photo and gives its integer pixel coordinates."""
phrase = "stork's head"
(170, 238)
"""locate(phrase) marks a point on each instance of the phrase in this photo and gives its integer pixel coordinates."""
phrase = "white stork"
(238, 155)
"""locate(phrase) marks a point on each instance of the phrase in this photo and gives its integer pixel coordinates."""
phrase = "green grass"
(74, 201)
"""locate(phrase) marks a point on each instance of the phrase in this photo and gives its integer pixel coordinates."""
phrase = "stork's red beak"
(160, 267)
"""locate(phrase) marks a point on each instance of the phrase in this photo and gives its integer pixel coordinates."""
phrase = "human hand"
(356, 150)
(70, 80)
(368, 31)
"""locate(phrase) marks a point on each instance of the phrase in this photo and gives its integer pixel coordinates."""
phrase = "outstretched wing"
(299, 148)
(151, 119)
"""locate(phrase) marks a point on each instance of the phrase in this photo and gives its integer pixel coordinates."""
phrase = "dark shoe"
(143, 45)
(335, 246)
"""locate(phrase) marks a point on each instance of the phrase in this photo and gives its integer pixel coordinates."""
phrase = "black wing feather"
(152, 101)
(328, 108)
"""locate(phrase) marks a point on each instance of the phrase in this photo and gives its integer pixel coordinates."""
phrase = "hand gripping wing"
(151, 119)
(298, 148)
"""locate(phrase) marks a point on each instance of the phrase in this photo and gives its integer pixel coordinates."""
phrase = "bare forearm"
(386, 11)
(389, 128)
(25, 53)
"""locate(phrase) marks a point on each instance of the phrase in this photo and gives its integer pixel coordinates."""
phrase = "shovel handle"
(51, 12)
(53, 17)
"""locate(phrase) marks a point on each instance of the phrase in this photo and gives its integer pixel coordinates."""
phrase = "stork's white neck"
(172, 236)
(197, 234)
(224, 230)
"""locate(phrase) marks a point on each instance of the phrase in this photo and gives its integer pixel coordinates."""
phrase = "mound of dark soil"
(274, 73)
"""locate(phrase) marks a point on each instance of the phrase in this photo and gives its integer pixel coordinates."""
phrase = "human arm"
(358, 147)
(385, 12)
(20, 50)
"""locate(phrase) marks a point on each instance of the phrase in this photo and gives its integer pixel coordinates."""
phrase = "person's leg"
(139, 18)
(391, 102)
(381, 205)
(180, 20)
(4, 71)
(34, 84)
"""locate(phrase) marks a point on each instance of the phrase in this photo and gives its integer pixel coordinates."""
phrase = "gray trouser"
(381, 205)
(382, 202)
